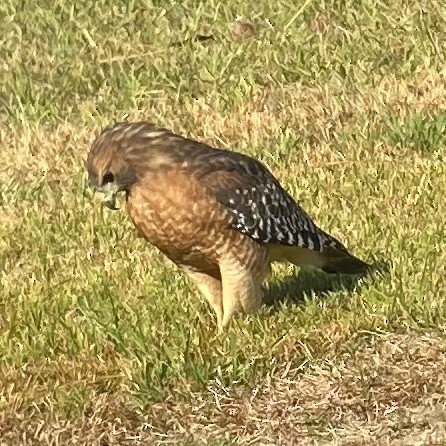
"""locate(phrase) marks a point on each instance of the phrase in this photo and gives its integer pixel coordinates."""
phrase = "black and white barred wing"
(258, 205)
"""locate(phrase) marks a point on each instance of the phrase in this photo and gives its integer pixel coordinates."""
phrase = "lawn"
(104, 342)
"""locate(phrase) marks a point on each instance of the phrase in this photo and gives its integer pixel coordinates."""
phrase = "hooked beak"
(109, 190)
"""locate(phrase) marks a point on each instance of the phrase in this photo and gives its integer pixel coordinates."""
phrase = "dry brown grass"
(390, 391)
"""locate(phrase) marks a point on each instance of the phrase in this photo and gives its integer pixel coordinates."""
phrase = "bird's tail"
(331, 260)
(339, 261)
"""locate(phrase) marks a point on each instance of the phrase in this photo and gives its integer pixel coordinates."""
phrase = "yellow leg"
(211, 289)
(241, 282)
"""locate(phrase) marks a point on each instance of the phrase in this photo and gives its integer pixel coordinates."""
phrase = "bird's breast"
(180, 221)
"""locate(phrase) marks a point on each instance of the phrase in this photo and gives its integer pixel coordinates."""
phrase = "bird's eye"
(107, 178)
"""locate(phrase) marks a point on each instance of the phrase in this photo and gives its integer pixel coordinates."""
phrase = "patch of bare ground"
(390, 391)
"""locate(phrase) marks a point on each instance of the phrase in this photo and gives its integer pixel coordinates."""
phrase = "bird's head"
(109, 169)
(124, 152)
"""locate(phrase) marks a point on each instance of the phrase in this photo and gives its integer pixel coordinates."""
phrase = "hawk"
(219, 215)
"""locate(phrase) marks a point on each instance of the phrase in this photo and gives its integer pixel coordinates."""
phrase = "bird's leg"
(242, 285)
(211, 289)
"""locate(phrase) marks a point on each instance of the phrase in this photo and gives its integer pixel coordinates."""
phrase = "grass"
(102, 341)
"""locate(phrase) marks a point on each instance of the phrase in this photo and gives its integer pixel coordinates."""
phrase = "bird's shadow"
(296, 287)
(313, 282)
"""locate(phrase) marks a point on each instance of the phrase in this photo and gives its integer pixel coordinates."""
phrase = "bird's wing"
(257, 204)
